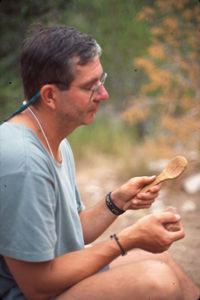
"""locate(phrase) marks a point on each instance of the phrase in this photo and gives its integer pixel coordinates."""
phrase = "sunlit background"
(151, 52)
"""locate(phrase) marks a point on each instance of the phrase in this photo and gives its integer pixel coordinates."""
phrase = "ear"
(48, 95)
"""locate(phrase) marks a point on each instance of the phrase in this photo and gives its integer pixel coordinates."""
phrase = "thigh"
(139, 255)
(133, 281)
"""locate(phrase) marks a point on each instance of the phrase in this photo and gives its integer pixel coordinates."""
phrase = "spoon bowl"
(174, 168)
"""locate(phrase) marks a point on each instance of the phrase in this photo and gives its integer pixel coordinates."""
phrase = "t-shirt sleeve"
(79, 203)
(27, 216)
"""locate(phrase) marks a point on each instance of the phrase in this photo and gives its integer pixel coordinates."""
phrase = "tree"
(168, 99)
(15, 18)
(110, 22)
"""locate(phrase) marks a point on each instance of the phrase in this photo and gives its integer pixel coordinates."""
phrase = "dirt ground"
(97, 179)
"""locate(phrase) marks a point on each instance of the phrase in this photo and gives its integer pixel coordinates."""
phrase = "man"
(43, 223)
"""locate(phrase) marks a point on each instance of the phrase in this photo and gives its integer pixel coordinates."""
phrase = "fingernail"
(178, 217)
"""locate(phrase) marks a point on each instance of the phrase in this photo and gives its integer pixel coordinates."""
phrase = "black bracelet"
(123, 251)
(111, 205)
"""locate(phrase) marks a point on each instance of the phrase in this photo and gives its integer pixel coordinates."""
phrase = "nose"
(102, 94)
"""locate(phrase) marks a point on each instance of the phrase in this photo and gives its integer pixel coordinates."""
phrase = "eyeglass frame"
(35, 97)
(92, 89)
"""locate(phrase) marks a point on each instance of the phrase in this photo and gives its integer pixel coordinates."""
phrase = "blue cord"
(23, 107)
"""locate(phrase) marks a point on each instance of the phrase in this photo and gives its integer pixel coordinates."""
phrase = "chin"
(89, 120)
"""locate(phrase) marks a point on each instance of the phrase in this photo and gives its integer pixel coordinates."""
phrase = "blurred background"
(151, 52)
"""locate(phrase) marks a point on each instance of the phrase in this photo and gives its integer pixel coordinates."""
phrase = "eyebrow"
(91, 81)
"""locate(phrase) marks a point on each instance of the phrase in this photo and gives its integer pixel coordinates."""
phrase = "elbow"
(33, 295)
(39, 292)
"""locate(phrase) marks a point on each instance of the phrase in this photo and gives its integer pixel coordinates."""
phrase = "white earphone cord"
(44, 135)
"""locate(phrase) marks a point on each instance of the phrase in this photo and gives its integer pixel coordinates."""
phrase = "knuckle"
(132, 180)
(166, 242)
(155, 217)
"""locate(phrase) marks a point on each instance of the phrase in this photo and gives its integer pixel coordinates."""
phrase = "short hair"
(47, 56)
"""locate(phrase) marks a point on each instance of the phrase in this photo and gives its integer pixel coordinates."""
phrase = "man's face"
(76, 105)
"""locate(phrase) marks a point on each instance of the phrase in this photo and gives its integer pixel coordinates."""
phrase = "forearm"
(85, 263)
(96, 220)
(46, 279)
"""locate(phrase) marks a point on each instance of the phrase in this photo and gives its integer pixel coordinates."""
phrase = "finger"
(168, 217)
(138, 204)
(147, 179)
(177, 235)
(147, 196)
(136, 207)
(137, 201)
(173, 226)
(142, 207)
(144, 202)
(155, 188)
(142, 181)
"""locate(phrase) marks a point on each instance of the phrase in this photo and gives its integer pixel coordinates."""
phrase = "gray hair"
(48, 54)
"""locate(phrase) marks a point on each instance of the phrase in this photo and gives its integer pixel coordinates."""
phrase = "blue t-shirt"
(39, 203)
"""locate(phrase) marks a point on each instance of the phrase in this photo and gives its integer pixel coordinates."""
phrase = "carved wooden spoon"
(175, 168)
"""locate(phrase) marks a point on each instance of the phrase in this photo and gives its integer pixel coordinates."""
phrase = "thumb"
(142, 181)
(169, 217)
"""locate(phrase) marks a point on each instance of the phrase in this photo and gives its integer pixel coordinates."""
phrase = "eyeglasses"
(96, 87)
(93, 89)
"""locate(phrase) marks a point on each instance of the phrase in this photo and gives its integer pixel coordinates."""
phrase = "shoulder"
(20, 149)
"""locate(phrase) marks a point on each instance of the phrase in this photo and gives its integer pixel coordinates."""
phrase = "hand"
(131, 191)
(172, 226)
(150, 234)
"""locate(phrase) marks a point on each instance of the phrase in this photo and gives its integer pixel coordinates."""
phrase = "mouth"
(94, 110)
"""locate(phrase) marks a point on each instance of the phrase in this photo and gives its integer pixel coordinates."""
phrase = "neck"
(54, 132)
(46, 134)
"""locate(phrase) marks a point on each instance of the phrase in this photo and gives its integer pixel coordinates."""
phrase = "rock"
(192, 184)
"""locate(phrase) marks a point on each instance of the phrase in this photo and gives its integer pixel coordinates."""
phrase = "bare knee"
(148, 279)
(161, 281)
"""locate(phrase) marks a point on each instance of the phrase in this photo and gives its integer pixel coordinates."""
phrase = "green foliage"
(104, 135)
(110, 22)
(168, 100)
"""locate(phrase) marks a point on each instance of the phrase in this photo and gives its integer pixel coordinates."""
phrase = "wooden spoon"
(175, 168)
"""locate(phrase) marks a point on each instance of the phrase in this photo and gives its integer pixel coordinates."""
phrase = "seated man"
(43, 223)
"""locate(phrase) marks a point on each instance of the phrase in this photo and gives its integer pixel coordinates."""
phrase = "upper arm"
(27, 218)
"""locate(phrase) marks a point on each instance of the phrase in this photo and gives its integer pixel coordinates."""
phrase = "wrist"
(112, 206)
(122, 250)
(115, 195)
(129, 239)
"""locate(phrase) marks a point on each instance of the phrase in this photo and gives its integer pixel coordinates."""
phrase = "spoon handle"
(160, 178)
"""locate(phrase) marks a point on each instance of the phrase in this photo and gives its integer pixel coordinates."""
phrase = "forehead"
(93, 69)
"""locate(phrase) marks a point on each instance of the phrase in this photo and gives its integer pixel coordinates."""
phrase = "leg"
(141, 280)
(190, 290)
